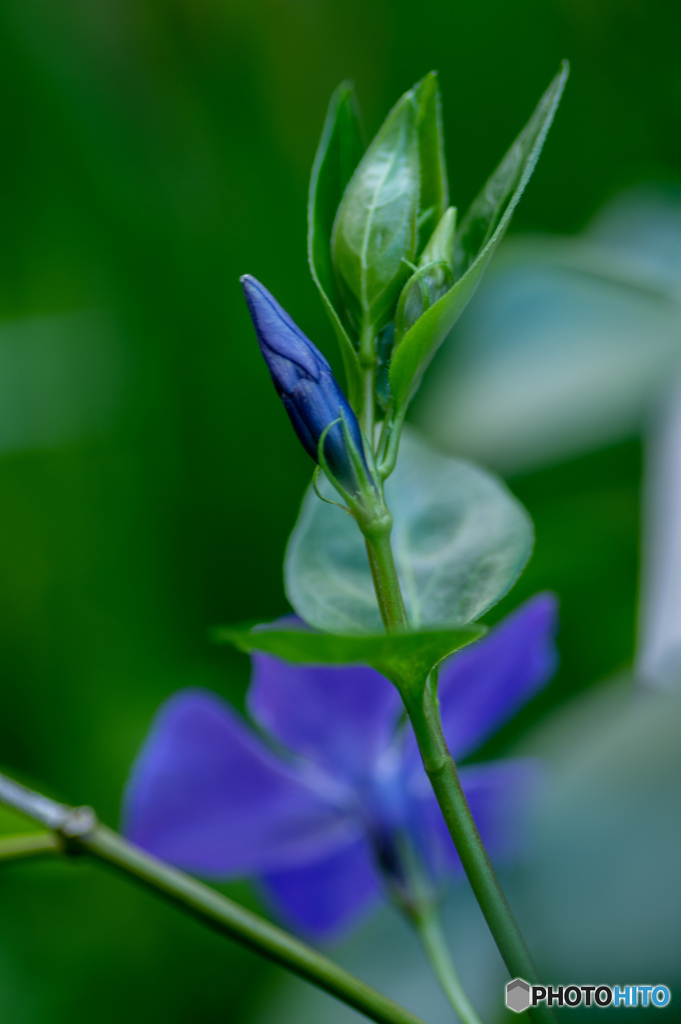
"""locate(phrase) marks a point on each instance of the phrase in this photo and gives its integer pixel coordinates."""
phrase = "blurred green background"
(150, 152)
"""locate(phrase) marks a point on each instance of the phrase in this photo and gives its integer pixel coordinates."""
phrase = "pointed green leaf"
(375, 229)
(340, 150)
(481, 231)
(434, 190)
(404, 658)
(460, 541)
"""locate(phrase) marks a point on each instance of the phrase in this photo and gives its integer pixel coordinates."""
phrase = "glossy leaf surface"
(460, 540)
(375, 229)
(480, 232)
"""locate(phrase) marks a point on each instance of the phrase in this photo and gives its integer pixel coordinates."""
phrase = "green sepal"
(404, 658)
(481, 231)
(375, 228)
(339, 152)
(434, 189)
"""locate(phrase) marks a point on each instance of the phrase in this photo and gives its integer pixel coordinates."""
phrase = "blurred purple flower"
(325, 826)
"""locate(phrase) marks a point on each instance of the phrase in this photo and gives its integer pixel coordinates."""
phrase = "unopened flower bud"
(306, 385)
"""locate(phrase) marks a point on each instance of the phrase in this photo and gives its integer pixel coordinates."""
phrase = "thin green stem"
(429, 929)
(29, 846)
(386, 583)
(366, 419)
(368, 362)
(386, 431)
(77, 830)
(391, 446)
(424, 715)
(423, 710)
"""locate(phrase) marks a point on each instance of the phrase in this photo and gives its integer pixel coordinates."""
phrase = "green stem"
(390, 447)
(77, 830)
(386, 431)
(430, 932)
(368, 363)
(424, 714)
(32, 845)
(386, 583)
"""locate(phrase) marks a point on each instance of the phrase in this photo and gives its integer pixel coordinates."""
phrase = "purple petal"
(500, 795)
(208, 796)
(484, 685)
(324, 898)
(341, 718)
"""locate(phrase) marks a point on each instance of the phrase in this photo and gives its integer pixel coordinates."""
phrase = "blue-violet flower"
(323, 827)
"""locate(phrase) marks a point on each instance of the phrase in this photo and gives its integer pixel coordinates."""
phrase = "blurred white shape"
(602, 900)
(643, 226)
(659, 648)
(568, 342)
(61, 379)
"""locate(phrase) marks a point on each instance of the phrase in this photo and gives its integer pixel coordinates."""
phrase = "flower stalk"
(77, 830)
(422, 707)
(386, 584)
(429, 929)
(392, 255)
(28, 847)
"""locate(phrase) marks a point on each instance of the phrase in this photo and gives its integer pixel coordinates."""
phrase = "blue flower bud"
(311, 394)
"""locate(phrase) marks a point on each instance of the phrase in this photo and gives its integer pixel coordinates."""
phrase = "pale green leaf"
(460, 540)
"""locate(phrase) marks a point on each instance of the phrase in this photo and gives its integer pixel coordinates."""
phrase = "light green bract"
(480, 232)
(405, 658)
(460, 541)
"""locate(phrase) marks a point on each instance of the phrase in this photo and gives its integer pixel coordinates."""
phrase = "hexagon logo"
(517, 995)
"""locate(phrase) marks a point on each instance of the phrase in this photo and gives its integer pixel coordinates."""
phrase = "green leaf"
(480, 232)
(375, 229)
(421, 291)
(433, 278)
(434, 190)
(460, 541)
(549, 364)
(405, 658)
(440, 246)
(339, 152)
